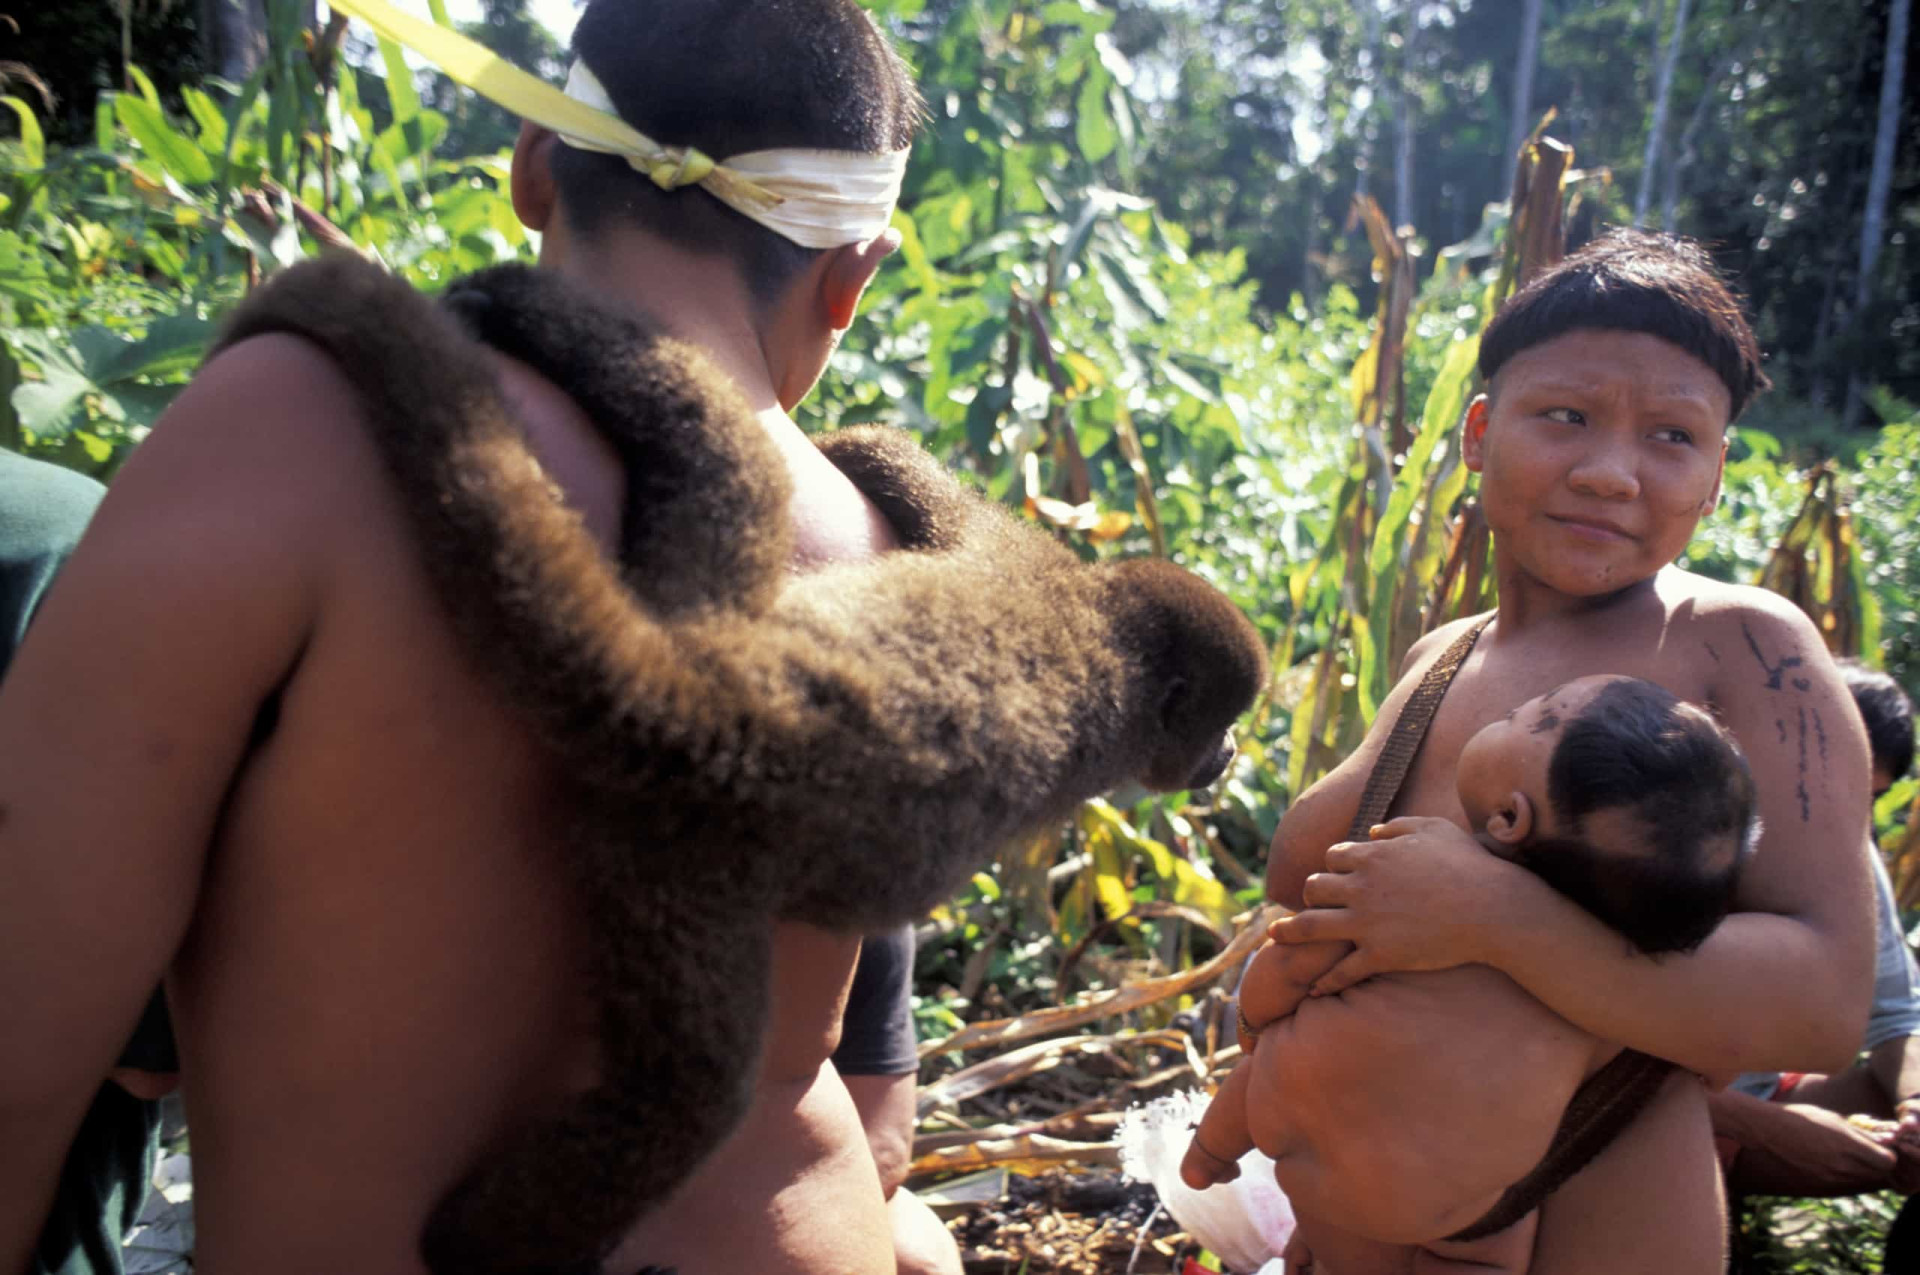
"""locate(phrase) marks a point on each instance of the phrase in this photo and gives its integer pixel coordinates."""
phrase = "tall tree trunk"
(1403, 121)
(1363, 160)
(1874, 226)
(1662, 90)
(1523, 67)
(233, 35)
(1685, 153)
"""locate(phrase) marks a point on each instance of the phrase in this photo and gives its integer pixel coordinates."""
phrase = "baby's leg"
(1508, 1252)
(1222, 1138)
(1277, 981)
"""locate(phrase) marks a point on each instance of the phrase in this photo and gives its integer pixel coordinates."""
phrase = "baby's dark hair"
(731, 76)
(1635, 281)
(1679, 778)
(1888, 715)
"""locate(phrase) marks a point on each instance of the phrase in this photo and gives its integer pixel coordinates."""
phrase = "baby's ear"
(1512, 821)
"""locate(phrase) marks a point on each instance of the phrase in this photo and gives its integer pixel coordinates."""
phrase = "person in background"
(1789, 1133)
(878, 1062)
(43, 510)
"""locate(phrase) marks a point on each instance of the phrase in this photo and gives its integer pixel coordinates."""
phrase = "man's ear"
(1473, 433)
(531, 179)
(1511, 823)
(849, 269)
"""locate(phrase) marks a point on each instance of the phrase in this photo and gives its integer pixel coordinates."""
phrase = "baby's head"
(1629, 801)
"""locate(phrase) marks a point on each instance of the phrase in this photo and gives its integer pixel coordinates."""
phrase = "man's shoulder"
(273, 410)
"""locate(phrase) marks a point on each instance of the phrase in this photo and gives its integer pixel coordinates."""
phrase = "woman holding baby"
(1612, 383)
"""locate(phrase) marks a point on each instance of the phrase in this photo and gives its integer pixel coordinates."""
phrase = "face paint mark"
(1802, 684)
(1774, 672)
(1548, 723)
(1781, 726)
(1800, 788)
(1710, 651)
(1820, 734)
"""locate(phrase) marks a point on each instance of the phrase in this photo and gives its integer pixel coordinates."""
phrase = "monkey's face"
(1202, 664)
(1214, 765)
(1186, 755)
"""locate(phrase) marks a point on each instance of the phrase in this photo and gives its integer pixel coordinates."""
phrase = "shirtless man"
(243, 750)
(1635, 806)
(1613, 380)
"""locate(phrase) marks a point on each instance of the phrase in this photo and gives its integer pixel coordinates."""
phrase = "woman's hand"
(1422, 895)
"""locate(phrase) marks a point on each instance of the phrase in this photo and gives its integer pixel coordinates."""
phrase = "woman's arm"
(1783, 984)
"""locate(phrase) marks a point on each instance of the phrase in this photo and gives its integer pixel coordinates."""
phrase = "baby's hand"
(1200, 1168)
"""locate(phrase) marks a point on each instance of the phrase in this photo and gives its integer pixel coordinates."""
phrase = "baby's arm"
(1275, 984)
(1223, 1137)
(1277, 981)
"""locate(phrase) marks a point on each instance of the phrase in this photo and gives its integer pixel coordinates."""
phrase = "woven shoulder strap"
(1409, 730)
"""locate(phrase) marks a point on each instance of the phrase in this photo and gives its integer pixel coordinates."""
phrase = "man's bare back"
(380, 969)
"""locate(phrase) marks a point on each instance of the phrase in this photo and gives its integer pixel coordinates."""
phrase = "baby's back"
(1402, 1108)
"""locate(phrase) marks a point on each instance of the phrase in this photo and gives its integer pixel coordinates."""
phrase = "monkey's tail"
(683, 975)
(705, 525)
(535, 601)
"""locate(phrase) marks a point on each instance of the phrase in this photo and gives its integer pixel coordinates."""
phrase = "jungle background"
(1199, 279)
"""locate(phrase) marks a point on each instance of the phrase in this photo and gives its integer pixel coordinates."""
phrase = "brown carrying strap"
(1409, 730)
(1610, 1099)
(1600, 1110)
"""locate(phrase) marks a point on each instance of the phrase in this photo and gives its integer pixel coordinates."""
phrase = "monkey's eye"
(1176, 692)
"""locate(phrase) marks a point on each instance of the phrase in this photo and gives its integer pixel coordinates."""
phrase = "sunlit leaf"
(33, 144)
(175, 153)
(404, 98)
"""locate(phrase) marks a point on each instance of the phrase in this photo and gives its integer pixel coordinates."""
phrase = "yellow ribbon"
(479, 68)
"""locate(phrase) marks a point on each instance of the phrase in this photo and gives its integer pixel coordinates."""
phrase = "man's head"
(1632, 803)
(1612, 381)
(727, 77)
(1888, 715)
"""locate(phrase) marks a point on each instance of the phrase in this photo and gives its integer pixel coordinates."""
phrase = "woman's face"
(1599, 452)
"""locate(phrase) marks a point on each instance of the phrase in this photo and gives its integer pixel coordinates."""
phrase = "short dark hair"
(1679, 776)
(1635, 281)
(731, 76)
(1887, 712)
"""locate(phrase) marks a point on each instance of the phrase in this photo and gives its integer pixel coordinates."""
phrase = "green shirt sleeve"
(43, 510)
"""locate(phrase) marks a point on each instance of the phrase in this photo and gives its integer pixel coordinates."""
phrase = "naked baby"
(1376, 1107)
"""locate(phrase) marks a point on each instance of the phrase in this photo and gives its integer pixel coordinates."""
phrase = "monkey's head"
(1201, 662)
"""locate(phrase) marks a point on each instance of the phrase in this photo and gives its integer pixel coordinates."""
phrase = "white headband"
(816, 198)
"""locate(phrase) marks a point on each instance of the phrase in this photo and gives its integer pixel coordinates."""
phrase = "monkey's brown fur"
(843, 747)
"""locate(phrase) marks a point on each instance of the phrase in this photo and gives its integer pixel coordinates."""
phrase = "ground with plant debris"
(1072, 1223)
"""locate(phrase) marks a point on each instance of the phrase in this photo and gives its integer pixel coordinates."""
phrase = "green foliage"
(1813, 1237)
(1072, 320)
(117, 258)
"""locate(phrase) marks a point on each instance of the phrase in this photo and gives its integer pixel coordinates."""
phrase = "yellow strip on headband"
(479, 68)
